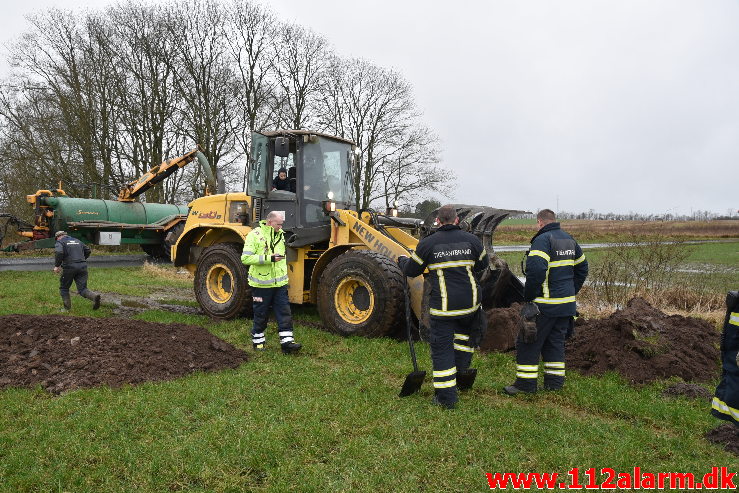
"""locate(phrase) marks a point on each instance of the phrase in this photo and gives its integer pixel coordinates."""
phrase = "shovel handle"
(408, 325)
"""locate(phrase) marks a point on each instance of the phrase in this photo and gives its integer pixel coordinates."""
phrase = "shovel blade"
(412, 383)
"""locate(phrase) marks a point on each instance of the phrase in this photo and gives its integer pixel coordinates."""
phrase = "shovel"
(414, 380)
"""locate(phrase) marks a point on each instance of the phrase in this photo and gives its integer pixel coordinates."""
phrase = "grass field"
(328, 419)
(512, 231)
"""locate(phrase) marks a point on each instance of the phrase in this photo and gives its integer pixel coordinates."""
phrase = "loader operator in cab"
(555, 271)
(281, 181)
(70, 260)
(455, 259)
(264, 253)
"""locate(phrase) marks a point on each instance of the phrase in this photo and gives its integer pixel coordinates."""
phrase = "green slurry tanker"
(125, 221)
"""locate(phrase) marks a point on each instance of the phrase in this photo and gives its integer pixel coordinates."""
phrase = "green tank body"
(67, 210)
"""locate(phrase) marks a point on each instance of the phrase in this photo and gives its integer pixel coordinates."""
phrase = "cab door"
(258, 177)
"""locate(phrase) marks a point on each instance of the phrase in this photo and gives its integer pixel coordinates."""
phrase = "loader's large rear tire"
(221, 286)
(361, 293)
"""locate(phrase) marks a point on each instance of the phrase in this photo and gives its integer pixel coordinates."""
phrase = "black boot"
(94, 297)
(466, 378)
(67, 301)
(291, 347)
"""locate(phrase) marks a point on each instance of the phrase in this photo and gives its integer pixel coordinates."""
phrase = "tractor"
(341, 259)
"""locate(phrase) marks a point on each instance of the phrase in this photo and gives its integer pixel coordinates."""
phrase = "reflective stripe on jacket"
(555, 271)
(260, 244)
(455, 260)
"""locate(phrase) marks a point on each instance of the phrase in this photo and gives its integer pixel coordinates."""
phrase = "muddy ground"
(640, 342)
(689, 391)
(726, 435)
(63, 353)
(644, 344)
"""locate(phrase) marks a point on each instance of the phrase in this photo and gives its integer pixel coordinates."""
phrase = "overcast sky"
(612, 105)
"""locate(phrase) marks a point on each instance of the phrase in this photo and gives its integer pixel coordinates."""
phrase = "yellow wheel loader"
(340, 259)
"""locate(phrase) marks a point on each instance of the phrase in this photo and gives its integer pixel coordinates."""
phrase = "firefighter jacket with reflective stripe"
(260, 244)
(725, 403)
(555, 271)
(455, 260)
(70, 251)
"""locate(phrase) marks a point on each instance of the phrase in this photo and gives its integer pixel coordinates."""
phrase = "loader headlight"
(330, 195)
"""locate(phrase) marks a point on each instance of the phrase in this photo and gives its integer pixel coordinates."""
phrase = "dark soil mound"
(643, 344)
(502, 328)
(63, 353)
(689, 390)
(727, 435)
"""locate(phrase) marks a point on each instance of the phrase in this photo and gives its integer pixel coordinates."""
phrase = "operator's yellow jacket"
(260, 244)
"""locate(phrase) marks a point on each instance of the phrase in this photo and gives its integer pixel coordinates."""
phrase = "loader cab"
(316, 165)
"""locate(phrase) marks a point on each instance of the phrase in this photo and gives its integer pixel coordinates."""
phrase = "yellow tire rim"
(219, 282)
(354, 300)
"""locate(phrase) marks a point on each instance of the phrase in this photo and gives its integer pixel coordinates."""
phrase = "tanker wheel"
(221, 286)
(156, 252)
(171, 238)
(361, 293)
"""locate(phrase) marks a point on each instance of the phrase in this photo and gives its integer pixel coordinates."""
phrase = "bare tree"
(252, 40)
(413, 170)
(146, 91)
(374, 107)
(301, 66)
(206, 84)
(56, 94)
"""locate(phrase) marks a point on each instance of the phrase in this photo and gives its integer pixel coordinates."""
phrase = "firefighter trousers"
(551, 333)
(451, 351)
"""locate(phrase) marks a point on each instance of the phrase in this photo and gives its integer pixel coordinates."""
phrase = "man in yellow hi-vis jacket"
(264, 253)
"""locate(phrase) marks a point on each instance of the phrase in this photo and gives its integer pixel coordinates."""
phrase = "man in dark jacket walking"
(555, 271)
(455, 260)
(71, 261)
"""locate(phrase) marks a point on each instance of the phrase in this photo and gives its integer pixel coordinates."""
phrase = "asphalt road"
(47, 263)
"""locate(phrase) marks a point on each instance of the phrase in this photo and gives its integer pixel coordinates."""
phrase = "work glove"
(402, 260)
(276, 257)
(571, 329)
(529, 311)
(527, 324)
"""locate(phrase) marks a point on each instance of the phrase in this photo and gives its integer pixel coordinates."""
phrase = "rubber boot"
(95, 297)
(67, 301)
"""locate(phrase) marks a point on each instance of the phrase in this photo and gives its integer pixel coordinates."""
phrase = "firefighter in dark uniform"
(725, 403)
(70, 260)
(555, 271)
(455, 260)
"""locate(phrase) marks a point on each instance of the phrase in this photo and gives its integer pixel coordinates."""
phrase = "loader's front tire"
(361, 293)
(221, 286)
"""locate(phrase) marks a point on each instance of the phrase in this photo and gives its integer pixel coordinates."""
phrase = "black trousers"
(451, 351)
(551, 333)
(76, 273)
(277, 299)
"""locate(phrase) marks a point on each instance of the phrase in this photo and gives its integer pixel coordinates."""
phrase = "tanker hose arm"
(156, 174)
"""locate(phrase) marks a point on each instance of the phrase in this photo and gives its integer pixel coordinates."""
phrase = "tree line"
(97, 98)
